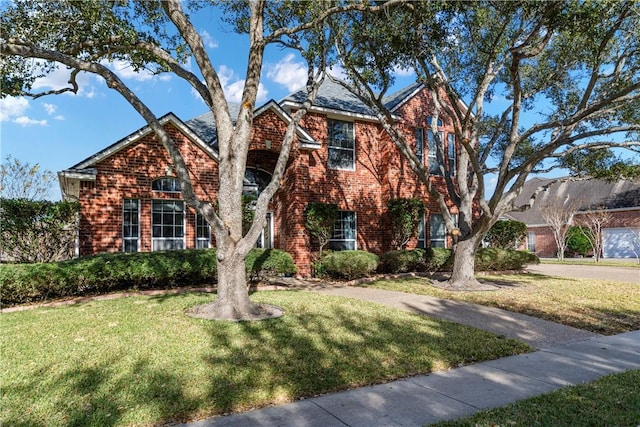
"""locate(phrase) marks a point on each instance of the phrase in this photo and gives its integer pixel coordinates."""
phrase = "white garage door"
(620, 242)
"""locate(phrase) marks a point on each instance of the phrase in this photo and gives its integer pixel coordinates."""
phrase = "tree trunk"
(463, 275)
(232, 301)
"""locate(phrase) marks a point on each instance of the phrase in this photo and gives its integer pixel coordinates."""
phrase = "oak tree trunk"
(463, 274)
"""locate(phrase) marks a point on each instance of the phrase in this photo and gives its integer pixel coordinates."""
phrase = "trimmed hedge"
(104, 273)
(403, 261)
(269, 262)
(439, 259)
(349, 264)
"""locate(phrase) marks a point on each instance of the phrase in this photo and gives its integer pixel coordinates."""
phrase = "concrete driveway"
(619, 274)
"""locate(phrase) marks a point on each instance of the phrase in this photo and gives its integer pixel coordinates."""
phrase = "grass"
(613, 400)
(142, 361)
(599, 306)
(591, 261)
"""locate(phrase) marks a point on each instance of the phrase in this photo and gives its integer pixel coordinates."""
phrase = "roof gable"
(591, 194)
(135, 136)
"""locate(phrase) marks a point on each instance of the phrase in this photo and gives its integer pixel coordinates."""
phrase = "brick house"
(621, 199)
(131, 199)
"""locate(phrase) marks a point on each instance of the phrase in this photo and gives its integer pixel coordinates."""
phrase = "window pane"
(420, 144)
(451, 148)
(344, 232)
(341, 144)
(169, 185)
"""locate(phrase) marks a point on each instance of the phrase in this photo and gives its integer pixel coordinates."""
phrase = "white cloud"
(338, 72)
(292, 75)
(404, 72)
(59, 78)
(25, 121)
(208, 40)
(125, 71)
(50, 108)
(233, 86)
(12, 107)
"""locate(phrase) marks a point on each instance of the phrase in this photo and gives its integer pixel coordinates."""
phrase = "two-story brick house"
(131, 199)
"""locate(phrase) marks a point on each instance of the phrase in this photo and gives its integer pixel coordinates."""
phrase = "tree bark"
(463, 274)
(232, 301)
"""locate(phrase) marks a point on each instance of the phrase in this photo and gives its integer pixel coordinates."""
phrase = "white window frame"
(202, 242)
(445, 241)
(262, 242)
(131, 238)
(451, 153)
(171, 183)
(156, 241)
(338, 240)
(531, 241)
(420, 144)
(331, 146)
(432, 154)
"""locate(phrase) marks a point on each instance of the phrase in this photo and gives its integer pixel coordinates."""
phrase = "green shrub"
(405, 215)
(439, 259)
(403, 261)
(269, 262)
(577, 240)
(507, 234)
(104, 273)
(492, 259)
(486, 259)
(349, 264)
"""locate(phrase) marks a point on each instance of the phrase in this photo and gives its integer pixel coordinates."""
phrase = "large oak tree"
(38, 37)
(565, 74)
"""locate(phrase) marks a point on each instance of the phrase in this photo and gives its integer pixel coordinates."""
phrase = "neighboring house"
(131, 200)
(621, 199)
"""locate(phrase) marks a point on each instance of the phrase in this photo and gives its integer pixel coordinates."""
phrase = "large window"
(451, 149)
(130, 225)
(167, 225)
(422, 237)
(434, 166)
(344, 232)
(438, 229)
(203, 233)
(342, 154)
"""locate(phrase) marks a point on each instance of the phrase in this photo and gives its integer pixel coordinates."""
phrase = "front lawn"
(596, 305)
(142, 361)
(613, 400)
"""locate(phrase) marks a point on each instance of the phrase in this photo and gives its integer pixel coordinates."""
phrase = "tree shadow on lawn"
(99, 395)
(323, 344)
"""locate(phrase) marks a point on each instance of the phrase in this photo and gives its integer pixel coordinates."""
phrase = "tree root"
(213, 311)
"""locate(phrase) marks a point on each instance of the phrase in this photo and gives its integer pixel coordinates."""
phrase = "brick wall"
(381, 173)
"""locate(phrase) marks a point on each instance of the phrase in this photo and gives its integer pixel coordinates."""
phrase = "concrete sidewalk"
(536, 332)
(452, 394)
(568, 356)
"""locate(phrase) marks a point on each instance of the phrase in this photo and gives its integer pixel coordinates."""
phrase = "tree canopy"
(565, 76)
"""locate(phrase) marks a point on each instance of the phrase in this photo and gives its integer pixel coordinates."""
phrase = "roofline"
(408, 97)
(306, 140)
(336, 112)
(143, 131)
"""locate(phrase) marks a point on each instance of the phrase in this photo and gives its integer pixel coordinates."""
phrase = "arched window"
(255, 181)
(167, 184)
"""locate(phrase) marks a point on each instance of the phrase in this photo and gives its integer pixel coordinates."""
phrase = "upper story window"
(420, 144)
(434, 165)
(341, 142)
(168, 185)
(451, 153)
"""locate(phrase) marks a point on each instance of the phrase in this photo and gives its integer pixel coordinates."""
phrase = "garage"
(620, 242)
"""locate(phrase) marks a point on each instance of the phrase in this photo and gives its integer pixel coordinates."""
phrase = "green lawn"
(596, 305)
(613, 400)
(142, 361)
(591, 261)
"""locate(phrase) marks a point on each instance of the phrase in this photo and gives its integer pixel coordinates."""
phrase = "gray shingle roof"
(204, 125)
(591, 194)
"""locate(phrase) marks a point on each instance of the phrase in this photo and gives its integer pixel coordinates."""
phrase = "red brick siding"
(381, 173)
